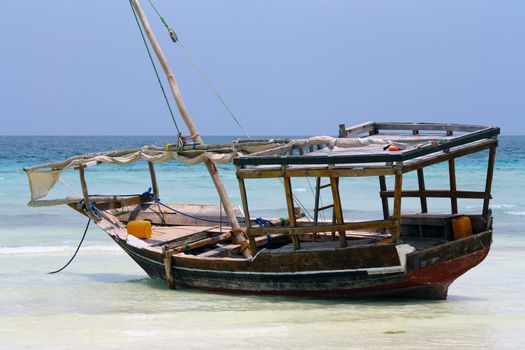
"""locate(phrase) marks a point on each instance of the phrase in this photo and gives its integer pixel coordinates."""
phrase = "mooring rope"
(76, 251)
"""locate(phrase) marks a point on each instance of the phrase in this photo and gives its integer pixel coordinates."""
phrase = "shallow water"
(104, 300)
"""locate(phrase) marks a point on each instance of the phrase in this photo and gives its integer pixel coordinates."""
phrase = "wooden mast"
(186, 117)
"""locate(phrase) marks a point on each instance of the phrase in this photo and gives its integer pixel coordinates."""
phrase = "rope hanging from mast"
(198, 69)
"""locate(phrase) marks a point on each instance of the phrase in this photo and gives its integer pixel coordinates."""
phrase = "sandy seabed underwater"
(103, 300)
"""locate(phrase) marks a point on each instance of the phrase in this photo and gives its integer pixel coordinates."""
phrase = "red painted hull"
(427, 283)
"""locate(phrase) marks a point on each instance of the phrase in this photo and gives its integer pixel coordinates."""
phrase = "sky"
(284, 67)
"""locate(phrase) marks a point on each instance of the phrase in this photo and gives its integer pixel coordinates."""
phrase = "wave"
(49, 250)
(515, 213)
(503, 206)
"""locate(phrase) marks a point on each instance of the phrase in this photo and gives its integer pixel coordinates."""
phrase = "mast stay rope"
(198, 69)
(155, 69)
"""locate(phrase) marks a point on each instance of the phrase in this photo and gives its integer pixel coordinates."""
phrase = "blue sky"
(285, 67)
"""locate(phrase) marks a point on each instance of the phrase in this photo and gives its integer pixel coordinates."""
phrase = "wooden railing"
(305, 228)
(437, 194)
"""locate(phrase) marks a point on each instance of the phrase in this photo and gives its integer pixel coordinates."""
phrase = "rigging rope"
(154, 68)
(198, 69)
(76, 251)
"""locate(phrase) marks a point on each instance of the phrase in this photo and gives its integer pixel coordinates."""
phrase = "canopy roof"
(367, 144)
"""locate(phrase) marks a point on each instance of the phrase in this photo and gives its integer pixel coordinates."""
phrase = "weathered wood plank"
(357, 225)
(452, 180)
(291, 211)
(153, 176)
(428, 126)
(338, 210)
(358, 129)
(488, 182)
(259, 173)
(458, 152)
(436, 194)
(396, 230)
(248, 223)
(384, 200)
(421, 184)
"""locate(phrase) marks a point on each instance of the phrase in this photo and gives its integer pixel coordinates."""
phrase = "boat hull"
(428, 273)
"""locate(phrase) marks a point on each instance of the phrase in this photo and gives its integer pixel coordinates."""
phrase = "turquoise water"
(103, 300)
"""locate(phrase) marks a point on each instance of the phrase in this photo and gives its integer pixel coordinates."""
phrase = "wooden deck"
(172, 236)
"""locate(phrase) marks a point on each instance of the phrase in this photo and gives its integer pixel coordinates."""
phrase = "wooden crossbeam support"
(488, 183)
(308, 228)
(291, 212)
(437, 194)
(338, 210)
(460, 152)
(452, 179)
(312, 172)
(421, 183)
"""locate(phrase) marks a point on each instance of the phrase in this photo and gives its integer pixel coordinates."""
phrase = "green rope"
(158, 14)
(154, 67)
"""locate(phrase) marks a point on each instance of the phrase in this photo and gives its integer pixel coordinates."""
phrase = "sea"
(103, 300)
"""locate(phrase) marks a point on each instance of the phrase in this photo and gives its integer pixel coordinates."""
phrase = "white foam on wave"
(49, 250)
(515, 213)
(503, 206)
(493, 206)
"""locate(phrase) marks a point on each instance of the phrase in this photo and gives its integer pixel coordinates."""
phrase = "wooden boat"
(224, 249)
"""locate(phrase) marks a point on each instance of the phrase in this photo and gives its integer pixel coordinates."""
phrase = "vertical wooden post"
(167, 267)
(452, 177)
(421, 183)
(247, 219)
(397, 205)
(291, 212)
(153, 180)
(384, 200)
(85, 193)
(317, 199)
(342, 131)
(221, 190)
(488, 183)
(316, 203)
(83, 185)
(338, 210)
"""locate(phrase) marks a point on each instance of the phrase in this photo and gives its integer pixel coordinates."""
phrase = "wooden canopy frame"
(281, 162)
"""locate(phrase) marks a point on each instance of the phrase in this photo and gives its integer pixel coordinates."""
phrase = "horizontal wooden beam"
(418, 164)
(427, 126)
(357, 225)
(436, 194)
(337, 172)
(359, 129)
